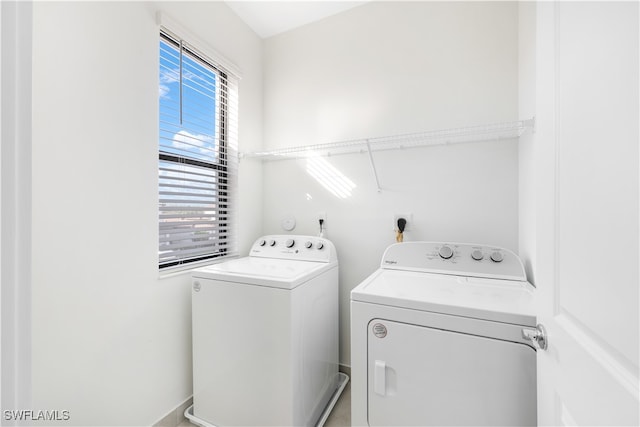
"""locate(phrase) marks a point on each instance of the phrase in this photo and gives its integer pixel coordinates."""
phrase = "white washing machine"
(265, 335)
(441, 335)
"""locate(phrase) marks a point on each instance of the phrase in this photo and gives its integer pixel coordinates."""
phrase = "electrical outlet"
(407, 216)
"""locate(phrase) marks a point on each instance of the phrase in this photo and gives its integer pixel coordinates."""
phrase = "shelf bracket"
(373, 166)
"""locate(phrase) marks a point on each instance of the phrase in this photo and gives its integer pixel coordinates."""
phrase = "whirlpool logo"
(379, 330)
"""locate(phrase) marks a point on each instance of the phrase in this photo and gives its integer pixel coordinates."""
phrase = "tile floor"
(340, 416)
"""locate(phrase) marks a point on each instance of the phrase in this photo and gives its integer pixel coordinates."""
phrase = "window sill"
(179, 270)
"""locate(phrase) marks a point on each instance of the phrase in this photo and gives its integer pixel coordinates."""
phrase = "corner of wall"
(526, 154)
(15, 203)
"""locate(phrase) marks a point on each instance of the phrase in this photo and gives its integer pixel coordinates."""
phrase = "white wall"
(112, 341)
(386, 68)
(526, 159)
(15, 203)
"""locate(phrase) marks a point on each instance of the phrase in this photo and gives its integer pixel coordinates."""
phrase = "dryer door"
(423, 376)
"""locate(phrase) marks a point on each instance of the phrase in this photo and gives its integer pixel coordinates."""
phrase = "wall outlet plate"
(288, 223)
(407, 216)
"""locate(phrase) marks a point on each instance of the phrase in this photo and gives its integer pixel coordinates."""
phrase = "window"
(197, 155)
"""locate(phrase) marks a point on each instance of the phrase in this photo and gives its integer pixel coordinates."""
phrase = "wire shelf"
(492, 132)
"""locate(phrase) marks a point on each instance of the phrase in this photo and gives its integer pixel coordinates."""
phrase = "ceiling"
(268, 18)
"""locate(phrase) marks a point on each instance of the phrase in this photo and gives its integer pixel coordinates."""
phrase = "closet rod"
(481, 133)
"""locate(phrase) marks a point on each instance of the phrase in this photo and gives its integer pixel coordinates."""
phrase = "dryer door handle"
(380, 377)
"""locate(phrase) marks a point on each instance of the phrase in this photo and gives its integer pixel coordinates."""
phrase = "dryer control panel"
(462, 259)
(289, 246)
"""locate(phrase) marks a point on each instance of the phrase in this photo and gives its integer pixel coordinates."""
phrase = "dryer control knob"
(445, 252)
(272, 242)
(262, 242)
(290, 243)
(308, 245)
(477, 255)
(496, 256)
(319, 245)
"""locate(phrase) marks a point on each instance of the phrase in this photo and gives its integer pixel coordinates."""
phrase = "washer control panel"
(462, 259)
(301, 248)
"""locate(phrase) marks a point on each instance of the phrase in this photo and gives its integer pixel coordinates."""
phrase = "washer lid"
(497, 300)
(276, 273)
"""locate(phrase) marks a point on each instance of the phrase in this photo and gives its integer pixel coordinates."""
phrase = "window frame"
(221, 168)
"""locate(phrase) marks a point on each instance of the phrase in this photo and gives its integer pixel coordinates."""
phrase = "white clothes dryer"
(265, 335)
(440, 335)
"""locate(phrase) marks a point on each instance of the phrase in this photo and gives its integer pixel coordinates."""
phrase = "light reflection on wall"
(330, 177)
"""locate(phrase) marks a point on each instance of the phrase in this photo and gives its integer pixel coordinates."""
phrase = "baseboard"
(345, 369)
(176, 416)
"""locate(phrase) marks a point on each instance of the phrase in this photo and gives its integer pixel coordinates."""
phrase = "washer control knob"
(308, 245)
(496, 256)
(272, 242)
(262, 242)
(319, 245)
(289, 243)
(477, 254)
(445, 252)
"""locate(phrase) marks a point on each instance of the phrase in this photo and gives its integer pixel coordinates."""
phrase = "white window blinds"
(197, 155)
